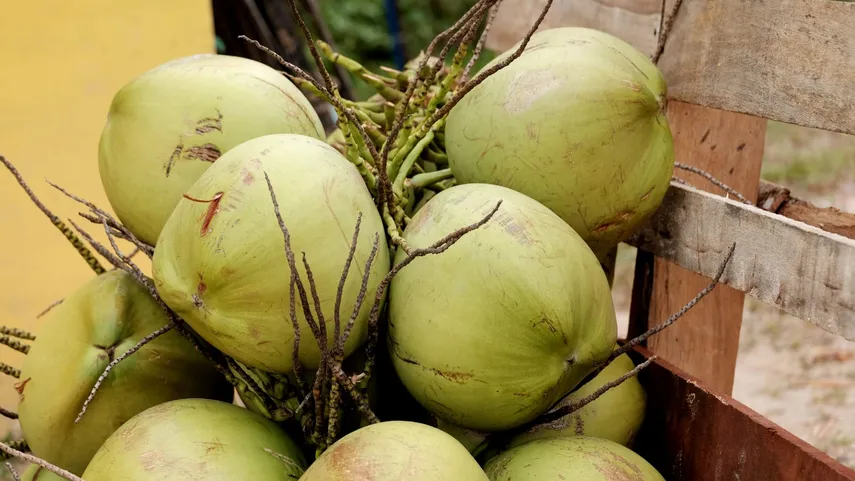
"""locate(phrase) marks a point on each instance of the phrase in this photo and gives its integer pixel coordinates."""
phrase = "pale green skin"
(616, 415)
(197, 440)
(472, 440)
(492, 332)
(232, 284)
(577, 123)
(395, 450)
(64, 363)
(38, 473)
(159, 110)
(574, 457)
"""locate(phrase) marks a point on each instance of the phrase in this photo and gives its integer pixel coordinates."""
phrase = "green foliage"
(360, 30)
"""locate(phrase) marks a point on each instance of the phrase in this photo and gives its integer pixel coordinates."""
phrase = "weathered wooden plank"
(777, 199)
(635, 21)
(692, 432)
(801, 269)
(786, 60)
(729, 146)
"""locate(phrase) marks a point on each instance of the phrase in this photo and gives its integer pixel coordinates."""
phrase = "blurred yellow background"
(60, 64)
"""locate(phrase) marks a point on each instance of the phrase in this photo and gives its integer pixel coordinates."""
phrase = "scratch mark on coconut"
(611, 466)
(615, 221)
(526, 88)
(207, 152)
(213, 208)
(19, 386)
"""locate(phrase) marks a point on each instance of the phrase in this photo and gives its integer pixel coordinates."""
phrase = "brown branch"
(458, 96)
(154, 335)
(9, 414)
(343, 279)
(360, 299)
(481, 41)
(49, 308)
(714, 181)
(310, 41)
(19, 333)
(15, 344)
(11, 469)
(665, 30)
(360, 400)
(18, 445)
(295, 354)
(34, 460)
(575, 406)
(10, 370)
(85, 253)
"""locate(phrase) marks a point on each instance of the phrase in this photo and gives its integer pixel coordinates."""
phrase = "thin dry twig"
(85, 253)
(575, 406)
(343, 280)
(8, 414)
(714, 181)
(154, 335)
(482, 76)
(665, 29)
(10, 370)
(481, 41)
(360, 299)
(49, 308)
(34, 460)
(15, 344)
(19, 333)
(14, 473)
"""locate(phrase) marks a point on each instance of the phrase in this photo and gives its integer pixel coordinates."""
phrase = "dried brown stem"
(15, 344)
(9, 414)
(321, 375)
(295, 354)
(458, 96)
(85, 253)
(312, 48)
(575, 406)
(154, 335)
(665, 30)
(343, 280)
(360, 400)
(360, 299)
(10, 370)
(714, 181)
(333, 423)
(138, 273)
(19, 333)
(20, 445)
(438, 247)
(34, 460)
(14, 473)
(481, 42)
(49, 308)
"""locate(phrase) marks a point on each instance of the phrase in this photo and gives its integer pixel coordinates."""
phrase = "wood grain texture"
(801, 269)
(786, 60)
(730, 147)
(635, 21)
(692, 432)
(778, 199)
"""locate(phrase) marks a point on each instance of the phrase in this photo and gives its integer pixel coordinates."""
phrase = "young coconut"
(395, 450)
(220, 261)
(168, 125)
(616, 415)
(100, 321)
(576, 457)
(495, 330)
(197, 440)
(577, 123)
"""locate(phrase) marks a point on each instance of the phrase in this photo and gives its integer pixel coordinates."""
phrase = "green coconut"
(495, 330)
(221, 265)
(395, 450)
(577, 123)
(38, 473)
(616, 415)
(197, 440)
(167, 126)
(474, 441)
(100, 321)
(571, 457)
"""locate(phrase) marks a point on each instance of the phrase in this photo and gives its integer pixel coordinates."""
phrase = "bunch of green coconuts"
(405, 298)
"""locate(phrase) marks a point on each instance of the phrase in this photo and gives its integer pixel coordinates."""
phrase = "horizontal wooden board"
(693, 433)
(786, 60)
(801, 269)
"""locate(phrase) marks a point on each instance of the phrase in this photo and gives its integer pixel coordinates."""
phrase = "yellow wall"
(60, 64)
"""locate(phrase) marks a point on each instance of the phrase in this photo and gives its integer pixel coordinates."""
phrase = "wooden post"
(705, 341)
